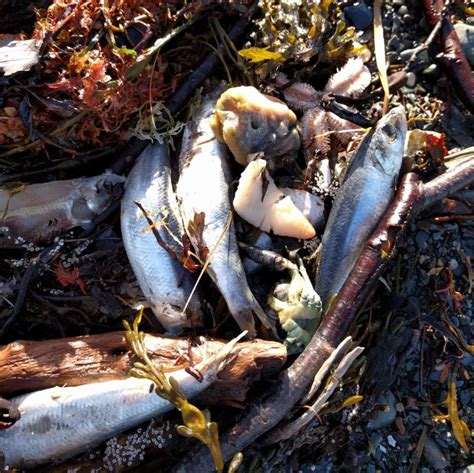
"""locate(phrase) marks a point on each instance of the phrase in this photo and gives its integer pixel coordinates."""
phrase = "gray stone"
(394, 44)
(421, 238)
(411, 80)
(466, 38)
(403, 10)
(387, 416)
(406, 54)
(359, 15)
(396, 25)
(433, 455)
(431, 71)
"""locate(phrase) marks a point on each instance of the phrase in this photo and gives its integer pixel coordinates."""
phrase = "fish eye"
(390, 131)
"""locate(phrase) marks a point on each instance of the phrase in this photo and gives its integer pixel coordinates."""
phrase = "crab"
(298, 307)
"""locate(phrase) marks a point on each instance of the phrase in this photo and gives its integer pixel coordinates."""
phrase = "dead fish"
(37, 212)
(166, 285)
(58, 423)
(203, 189)
(366, 192)
(248, 122)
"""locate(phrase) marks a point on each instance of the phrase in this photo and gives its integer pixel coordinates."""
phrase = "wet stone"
(433, 455)
(403, 10)
(387, 416)
(421, 238)
(431, 71)
(394, 43)
(359, 15)
(411, 80)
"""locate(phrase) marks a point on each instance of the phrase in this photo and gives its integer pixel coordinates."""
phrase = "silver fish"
(37, 212)
(366, 192)
(164, 282)
(57, 423)
(203, 187)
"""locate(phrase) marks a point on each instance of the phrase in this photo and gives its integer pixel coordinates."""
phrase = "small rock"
(398, 3)
(370, 468)
(394, 43)
(386, 417)
(403, 10)
(399, 407)
(433, 455)
(431, 71)
(411, 80)
(396, 25)
(466, 38)
(453, 264)
(421, 239)
(469, 469)
(391, 441)
(406, 54)
(359, 15)
(392, 57)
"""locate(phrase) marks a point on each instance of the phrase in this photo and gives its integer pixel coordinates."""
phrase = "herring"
(367, 190)
(37, 212)
(164, 282)
(203, 188)
(60, 422)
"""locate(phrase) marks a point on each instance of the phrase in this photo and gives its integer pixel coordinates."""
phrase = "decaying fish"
(57, 423)
(37, 212)
(298, 307)
(260, 202)
(203, 190)
(163, 280)
(366, 192)
(248, 122)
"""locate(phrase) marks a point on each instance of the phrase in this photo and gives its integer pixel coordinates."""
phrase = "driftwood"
(32, 365)
(452, 56)
(261, 416)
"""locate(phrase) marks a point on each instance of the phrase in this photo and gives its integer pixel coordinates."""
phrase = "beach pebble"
(411, 80)
(433, 455)
(387, 416)
(466, 38)
(359, 15)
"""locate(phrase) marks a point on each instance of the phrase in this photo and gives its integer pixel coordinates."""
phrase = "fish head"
(388, 141)
(249, 122)
(94, 195)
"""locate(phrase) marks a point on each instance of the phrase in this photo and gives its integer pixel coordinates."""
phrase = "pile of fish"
(167, 225)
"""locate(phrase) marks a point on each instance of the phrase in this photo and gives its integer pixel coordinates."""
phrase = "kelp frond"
(197, 423)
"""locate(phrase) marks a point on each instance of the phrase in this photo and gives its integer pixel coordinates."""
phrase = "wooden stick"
(452, 56)
(32, 365)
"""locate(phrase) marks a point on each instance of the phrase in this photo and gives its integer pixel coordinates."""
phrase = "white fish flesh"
(203, 187)
(57, 423)
(164, 282)
(37, 212)
(366, 192)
